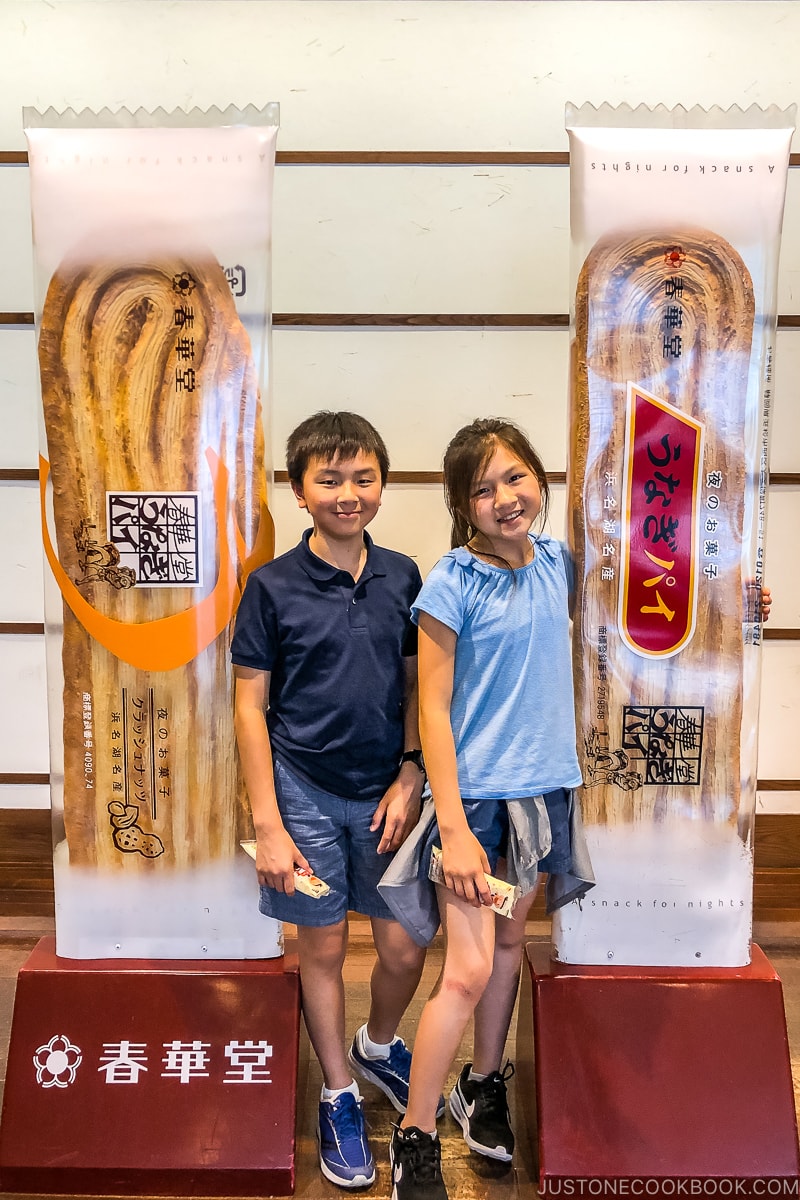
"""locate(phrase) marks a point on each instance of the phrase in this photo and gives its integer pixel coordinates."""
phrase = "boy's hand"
(276, 857)
(398, 810)
(465, 865)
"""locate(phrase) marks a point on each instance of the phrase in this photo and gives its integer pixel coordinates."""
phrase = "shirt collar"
(542, 544)
(317, 568)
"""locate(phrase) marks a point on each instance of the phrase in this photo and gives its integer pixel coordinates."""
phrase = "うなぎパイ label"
(658, 585)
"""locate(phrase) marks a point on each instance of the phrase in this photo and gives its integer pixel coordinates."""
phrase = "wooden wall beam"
(31, 474)
(340, 320)
(407, 158)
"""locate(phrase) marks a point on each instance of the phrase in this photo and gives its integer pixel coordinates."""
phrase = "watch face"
(414, 756)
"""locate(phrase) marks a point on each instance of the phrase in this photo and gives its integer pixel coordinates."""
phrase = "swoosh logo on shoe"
(398, 1172)
(469, 1109)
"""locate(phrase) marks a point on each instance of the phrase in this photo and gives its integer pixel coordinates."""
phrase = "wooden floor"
(468, 1176)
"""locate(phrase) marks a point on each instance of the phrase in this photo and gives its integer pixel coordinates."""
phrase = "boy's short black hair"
(330, 436)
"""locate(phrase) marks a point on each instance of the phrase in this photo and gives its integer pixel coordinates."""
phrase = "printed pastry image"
(155, 458)
(659, 378)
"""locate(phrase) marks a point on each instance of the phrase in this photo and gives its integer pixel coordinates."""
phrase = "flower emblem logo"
(674, 257)
(57, 1062)
(183, 284)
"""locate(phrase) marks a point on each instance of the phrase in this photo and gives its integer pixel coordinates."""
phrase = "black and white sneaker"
(481, 1108)
(416, 1159)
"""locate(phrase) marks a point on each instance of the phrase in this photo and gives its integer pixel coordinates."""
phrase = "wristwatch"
(414, 756)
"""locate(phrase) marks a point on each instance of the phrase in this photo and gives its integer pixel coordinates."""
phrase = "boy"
(324, 643)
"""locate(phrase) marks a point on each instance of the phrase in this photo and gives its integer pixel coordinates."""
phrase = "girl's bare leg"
(494, 1010)
(469, 947)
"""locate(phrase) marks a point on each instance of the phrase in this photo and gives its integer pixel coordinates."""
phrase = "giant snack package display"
(152, 270)
(675, 221)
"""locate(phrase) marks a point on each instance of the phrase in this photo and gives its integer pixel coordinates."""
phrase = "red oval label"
(658, 585)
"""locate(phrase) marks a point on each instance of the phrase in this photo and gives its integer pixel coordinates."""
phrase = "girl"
(498, 736)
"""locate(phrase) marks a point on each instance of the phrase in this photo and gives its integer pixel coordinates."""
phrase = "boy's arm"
(463, 858)
(399, 805)
(276, 853)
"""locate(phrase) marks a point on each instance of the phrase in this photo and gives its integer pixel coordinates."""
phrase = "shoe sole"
(394, 1195)
(360, 1181)
(459, 1114)
(365, 1073)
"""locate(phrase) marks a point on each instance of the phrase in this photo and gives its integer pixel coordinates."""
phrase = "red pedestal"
(665, 1078)
(146, 1077)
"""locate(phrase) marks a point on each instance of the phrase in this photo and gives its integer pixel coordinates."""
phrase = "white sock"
(332, 1093)
(475, 1077)
(373, 1049)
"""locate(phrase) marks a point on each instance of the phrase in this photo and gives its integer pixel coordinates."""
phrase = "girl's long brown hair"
(465, 460)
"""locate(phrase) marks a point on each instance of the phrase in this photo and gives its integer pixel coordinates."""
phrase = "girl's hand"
(465, 866)
(766, 602)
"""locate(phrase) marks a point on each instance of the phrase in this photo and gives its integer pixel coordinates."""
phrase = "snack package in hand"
(504, 895)
(304, 881)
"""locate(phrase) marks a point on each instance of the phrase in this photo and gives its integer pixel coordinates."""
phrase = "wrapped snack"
(304, 881)
(504, 895)
(152, 310)
(310, 885)
(675, 223)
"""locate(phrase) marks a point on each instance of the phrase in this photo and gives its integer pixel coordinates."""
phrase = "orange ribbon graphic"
(263, 546)
(167, 642)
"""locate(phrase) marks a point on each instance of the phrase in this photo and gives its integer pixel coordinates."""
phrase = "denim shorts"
(335, 837)
(488, 820)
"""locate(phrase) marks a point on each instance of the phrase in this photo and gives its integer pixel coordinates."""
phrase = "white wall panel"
(421, 239)
(24, 795)
(778, 802)
(16, 252)
(789, 271)
(23, 705)
(21, 592)
(397, 73)
(778, 756)
(419, 386)
(19, 397)
(782, 563)
(442, 239)
(785, 426)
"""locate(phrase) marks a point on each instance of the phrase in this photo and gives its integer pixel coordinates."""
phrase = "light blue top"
(512, 713)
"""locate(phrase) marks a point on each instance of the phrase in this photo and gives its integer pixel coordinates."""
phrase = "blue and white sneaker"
(344, 1154)
(390, 1074)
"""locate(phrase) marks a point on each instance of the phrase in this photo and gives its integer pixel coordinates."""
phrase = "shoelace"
(423, 1161)
(493, 1090)
(399, 1058)
(344, 1116)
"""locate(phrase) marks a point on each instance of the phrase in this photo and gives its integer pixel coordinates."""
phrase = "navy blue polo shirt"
(335, 651)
